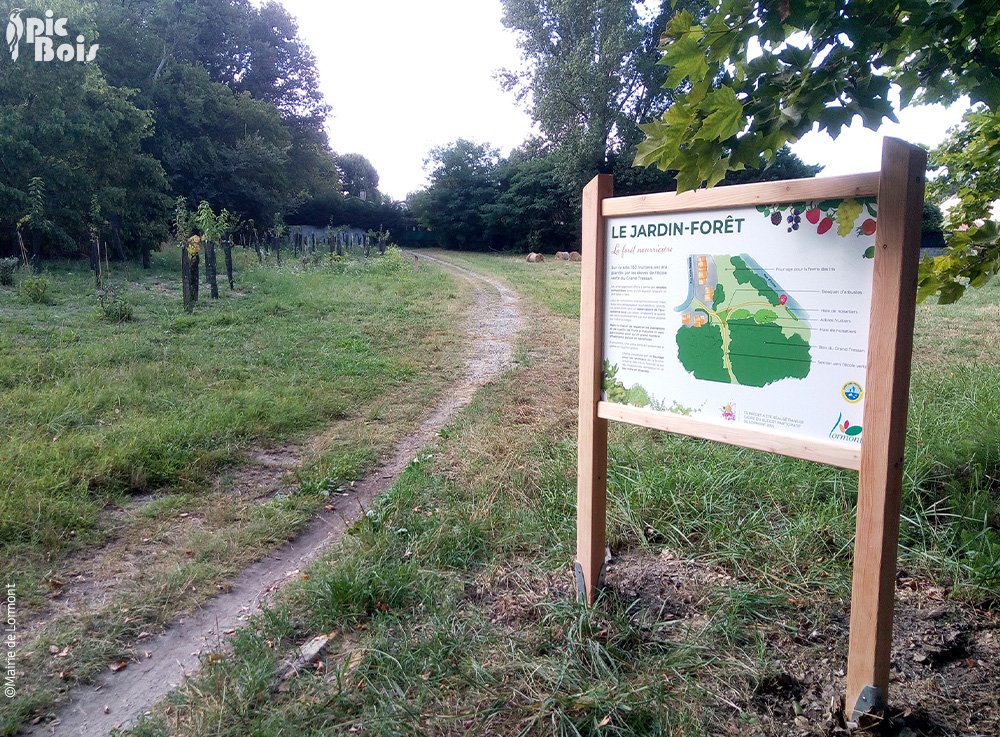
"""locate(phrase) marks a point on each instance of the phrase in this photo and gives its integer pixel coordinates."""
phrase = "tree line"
(210, 100)
(590, 76)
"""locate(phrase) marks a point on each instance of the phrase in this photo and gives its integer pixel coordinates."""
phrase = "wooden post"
(211, 268)
(890, 346)
(185, 277)
(592, 446)
(227, 247)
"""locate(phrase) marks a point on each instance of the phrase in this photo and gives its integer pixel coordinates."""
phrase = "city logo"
(852, 392)
(42, 33)
(844, 430)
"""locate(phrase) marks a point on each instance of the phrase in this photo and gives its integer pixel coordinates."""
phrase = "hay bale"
(535, 258)
(575, 256)
(562, 255)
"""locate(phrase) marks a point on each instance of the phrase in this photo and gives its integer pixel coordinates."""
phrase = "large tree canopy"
(235, 95)
(214, 100)
(589, 76)
(71, 155)
(757, 75)
(462, 185)
(358, 175)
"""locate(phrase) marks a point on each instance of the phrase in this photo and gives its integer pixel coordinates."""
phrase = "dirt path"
(120, 698)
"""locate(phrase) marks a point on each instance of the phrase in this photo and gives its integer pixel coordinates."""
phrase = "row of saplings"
(217, 230)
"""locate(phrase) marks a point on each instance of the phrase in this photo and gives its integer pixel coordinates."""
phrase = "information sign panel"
(754, 316)
(775, 316)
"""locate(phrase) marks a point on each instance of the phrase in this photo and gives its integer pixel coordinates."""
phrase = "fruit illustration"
(776, 218)
(814, 215)
(868, 226)
(824, 225)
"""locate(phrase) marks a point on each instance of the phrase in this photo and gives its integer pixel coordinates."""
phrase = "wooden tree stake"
(185, 277)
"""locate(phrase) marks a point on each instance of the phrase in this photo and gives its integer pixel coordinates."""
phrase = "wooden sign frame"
(899, 187)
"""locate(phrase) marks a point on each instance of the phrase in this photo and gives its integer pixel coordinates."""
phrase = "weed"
(8, 266)
(113, 305)
(312, 260)
(339, 264)
(391, 262)
(36, 289)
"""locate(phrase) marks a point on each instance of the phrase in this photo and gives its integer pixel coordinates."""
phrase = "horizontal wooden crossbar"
(747, 195)
(831, 453)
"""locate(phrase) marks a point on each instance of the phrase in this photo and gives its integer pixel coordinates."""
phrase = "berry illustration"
(868, 227)
(824, 225)
(776, 218)
(814, 215)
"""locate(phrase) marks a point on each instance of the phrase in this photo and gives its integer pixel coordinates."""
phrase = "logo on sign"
(852, 392)
(844, 429)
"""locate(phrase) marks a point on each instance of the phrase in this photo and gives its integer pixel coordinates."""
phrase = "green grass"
(92, 410)
(95, 411)
(554, 284)
(452, 604)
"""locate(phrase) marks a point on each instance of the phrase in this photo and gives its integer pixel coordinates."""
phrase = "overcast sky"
(404, 76)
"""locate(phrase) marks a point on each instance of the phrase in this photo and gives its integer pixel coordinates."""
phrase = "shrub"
(36, 289)
(391, 263)
(312, 260)
(113, 306)
(338, 264)
(7, 268)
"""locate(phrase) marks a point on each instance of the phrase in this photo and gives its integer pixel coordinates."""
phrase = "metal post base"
(870, 707)
(581, 583)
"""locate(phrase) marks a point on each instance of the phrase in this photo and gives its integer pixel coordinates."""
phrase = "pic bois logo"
(42, 33)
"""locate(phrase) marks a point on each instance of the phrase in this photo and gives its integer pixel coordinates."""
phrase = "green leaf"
(661, 145)
(686, 61)
(951, 292)
(681, 25)
(664, 137)
(725, 115)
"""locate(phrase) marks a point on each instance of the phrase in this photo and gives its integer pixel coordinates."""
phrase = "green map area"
(738, 326)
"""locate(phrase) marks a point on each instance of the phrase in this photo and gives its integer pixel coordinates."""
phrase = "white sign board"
(755, 317)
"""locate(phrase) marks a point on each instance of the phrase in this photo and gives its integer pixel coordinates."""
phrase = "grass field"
(118, 438)
(452, 610)
(452, 605)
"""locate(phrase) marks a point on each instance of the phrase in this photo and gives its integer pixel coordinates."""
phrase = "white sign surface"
(753, 316)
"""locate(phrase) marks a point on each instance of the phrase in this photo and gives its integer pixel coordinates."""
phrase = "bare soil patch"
(945, 659)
